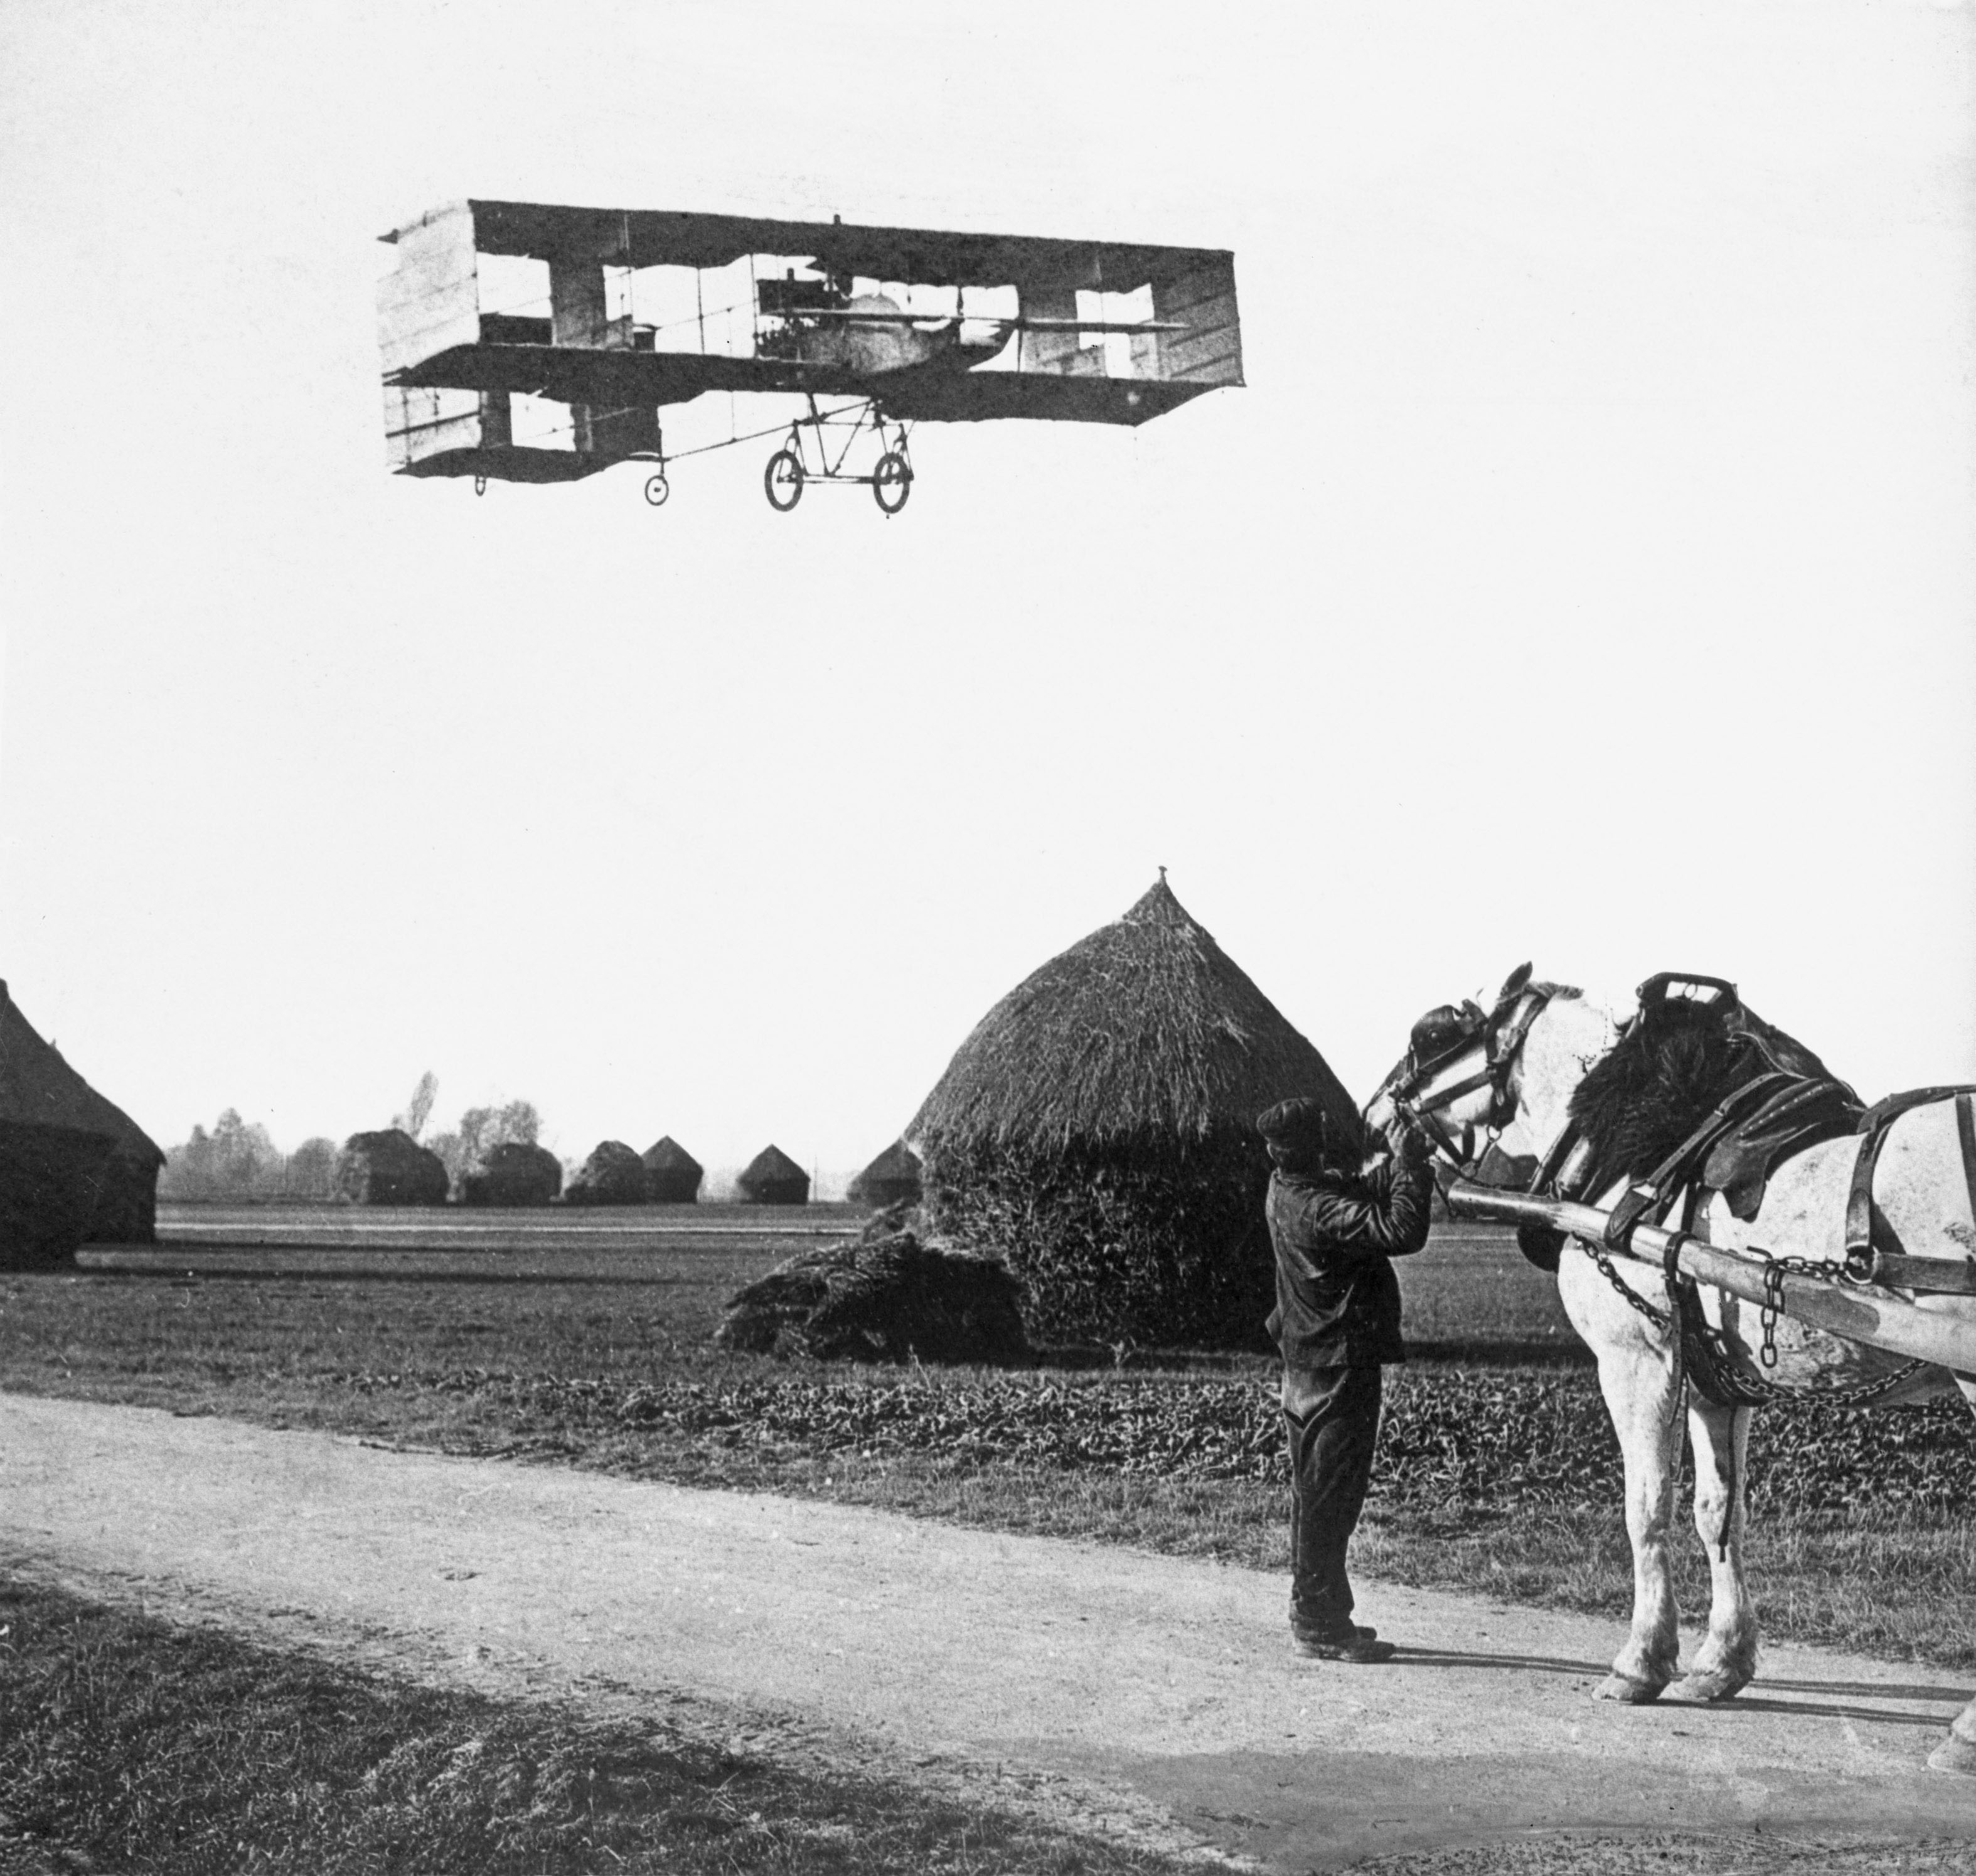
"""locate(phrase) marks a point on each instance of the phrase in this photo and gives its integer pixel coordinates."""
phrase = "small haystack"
(672, 1174)
(389, 1168)
(1099, 1130)
(892, 1178)
(613, 1175)
(885, 1298)
(58, 1189)
(515, 1172)
(772, 1177)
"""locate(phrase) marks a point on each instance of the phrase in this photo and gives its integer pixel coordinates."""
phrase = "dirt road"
(1166, 1684)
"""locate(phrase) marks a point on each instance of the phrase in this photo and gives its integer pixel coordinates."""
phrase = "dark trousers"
(1332, 1416)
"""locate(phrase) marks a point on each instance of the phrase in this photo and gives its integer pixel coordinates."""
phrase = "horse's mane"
(1668, 1073)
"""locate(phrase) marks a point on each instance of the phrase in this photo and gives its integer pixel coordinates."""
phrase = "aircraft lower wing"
(572, 374)
(935, 393)
(936, 397)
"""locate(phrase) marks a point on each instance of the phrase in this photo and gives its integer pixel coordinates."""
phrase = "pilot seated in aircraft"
(1334, 1229)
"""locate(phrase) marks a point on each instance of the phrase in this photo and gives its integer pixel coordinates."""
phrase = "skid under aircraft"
(608, 322)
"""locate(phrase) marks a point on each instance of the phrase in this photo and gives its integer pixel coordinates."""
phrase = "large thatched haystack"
(672, 1174)
(57, 1187)
(126, 1210)
(389, 1168)
(885, 1298)
(772, 1177)
(1097, 1130)
(891, 1179)
(613, 1175)
(50, 1181)
(513, 1173)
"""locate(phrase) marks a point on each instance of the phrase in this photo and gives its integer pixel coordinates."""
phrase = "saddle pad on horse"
(1735, 1150)
(1798, 1115)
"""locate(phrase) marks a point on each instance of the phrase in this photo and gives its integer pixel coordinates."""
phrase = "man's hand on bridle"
(1406, 1136)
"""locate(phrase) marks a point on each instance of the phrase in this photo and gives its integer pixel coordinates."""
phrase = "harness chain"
(1697, 1341)
(1599, 1254)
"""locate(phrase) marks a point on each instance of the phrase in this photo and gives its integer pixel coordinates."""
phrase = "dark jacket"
(1338, 1302)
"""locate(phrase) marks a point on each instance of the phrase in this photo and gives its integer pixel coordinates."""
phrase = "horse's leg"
(1638, 1382)
(1958, 1753)
(1727, 1661)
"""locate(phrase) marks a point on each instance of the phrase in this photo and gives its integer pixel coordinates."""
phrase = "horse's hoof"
(1706, 1687)
(1954, 1755)
(1628, 1691)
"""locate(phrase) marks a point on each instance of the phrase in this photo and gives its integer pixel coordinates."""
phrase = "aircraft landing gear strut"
(789, 468)
(657, 487)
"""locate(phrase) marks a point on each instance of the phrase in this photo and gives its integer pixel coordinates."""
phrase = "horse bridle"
(1503, 1033)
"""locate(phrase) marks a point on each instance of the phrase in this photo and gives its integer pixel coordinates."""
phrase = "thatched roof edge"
(1145, 1030)
(37, 1085)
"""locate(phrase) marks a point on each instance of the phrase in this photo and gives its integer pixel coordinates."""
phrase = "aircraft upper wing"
(929, 256)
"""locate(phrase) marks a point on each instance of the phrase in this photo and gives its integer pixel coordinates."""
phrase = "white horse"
(1509, 1077)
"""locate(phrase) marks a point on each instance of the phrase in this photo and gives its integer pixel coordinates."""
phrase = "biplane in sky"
(527, 343)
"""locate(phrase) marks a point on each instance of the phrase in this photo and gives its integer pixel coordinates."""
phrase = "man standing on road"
(1334, 1227)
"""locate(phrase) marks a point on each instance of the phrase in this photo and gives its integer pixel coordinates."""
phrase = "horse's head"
(1458, 1076)
(1471, 1076)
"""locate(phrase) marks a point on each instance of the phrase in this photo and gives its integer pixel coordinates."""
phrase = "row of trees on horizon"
(238, 1159)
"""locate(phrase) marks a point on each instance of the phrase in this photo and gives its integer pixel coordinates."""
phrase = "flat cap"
(1294, 1127)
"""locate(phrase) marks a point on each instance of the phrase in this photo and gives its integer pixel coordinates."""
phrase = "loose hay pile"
(1097, 1131)
(886, 1297)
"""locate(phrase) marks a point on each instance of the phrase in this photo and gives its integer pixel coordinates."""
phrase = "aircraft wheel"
(892, 482)
(783, 480)
(479, 485)
(657, 490)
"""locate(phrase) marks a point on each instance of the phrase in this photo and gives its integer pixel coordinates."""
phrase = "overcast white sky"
(1586, 573)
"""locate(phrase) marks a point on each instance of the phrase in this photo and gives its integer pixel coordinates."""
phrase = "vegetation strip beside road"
(1449, 1437)
(182, 1751)
(1499, 1473)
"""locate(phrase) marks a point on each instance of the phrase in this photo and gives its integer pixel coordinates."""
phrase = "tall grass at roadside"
(186, 1752)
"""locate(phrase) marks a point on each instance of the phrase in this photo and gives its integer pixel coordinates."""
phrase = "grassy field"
(183, 1752)
(576, 1339)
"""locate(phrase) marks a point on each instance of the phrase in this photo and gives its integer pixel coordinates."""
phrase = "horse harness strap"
(1773, 1106)
(1864, 1262)
(1460, 1151)
(1965, 1138)
(1552, 1164)
(1655, 1193)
